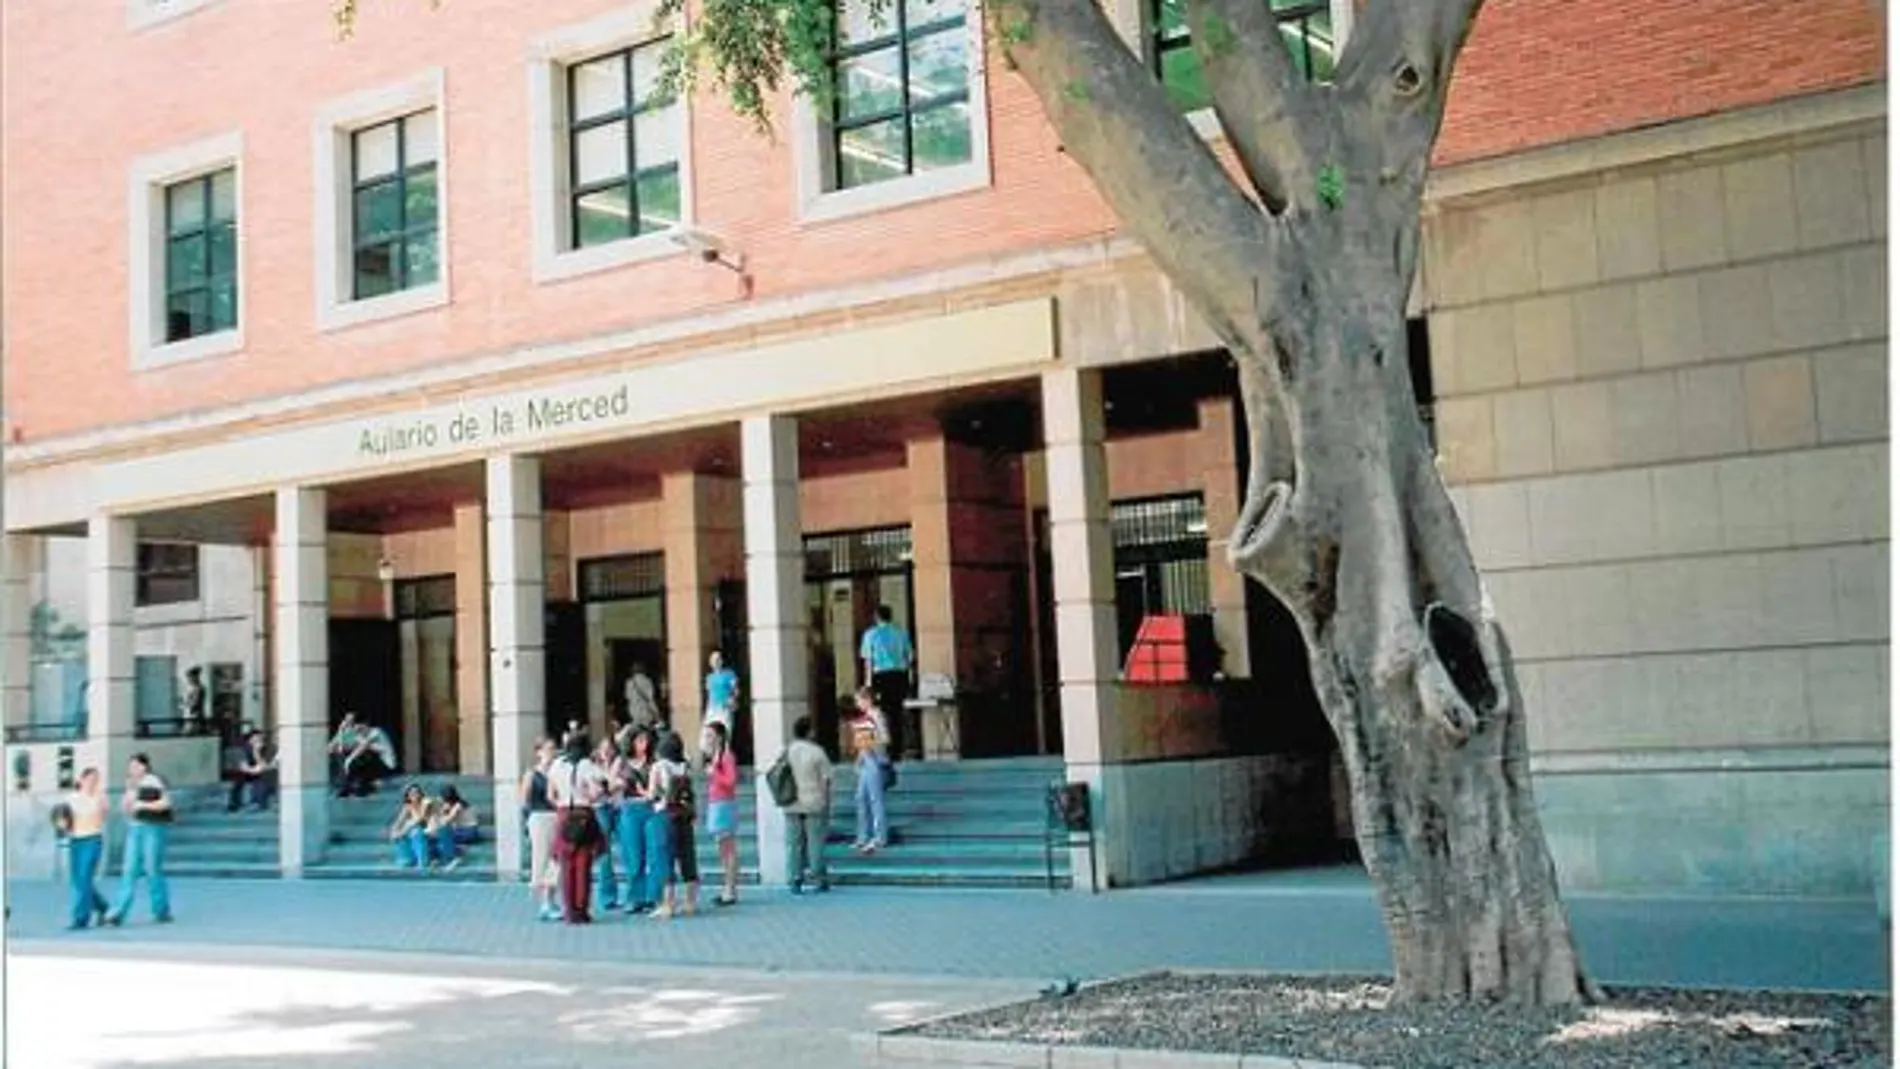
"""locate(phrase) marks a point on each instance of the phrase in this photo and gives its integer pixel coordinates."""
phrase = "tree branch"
(1157, 174)
(1262, 101)
(1396, 75)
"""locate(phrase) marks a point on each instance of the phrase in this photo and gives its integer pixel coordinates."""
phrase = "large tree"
(1301, 260)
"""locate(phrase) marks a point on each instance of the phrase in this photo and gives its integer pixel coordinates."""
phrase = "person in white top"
(575, 784)
(85, 826)
(643, 704)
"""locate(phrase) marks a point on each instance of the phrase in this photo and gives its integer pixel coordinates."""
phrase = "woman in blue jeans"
(86, 842)
(873, 742)
(606, 888)
(628, 780)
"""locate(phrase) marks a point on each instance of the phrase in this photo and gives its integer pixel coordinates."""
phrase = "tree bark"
(1346, 520)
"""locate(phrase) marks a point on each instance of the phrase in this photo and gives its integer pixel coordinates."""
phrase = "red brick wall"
(83, 97)
(1537, 72)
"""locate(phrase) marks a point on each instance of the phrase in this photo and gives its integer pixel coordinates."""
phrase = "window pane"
(419, 254)
(869, 85)
(940, 137)
(375, 270)
(186, 206)
(659, 198)
(224, 195)
(376, 151)
(921, 13)
(939, 65)
(656, 137)
(187, 315)
(1184, 80)
(871, 154)
(419, 205)
(600, 86)
(223, 249)
(600, 153)
(858, 24)
(185, 262)
(419, 138)
(378, 211)
(601, 217)
(646, 72)
(224, 304)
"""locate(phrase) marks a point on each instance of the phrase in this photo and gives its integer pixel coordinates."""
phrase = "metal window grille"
(636, 575)
(1164, 541)
(883, 549)
(641, 196)
(432, 595)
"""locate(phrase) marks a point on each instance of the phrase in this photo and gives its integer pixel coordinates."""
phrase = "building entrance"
(847, 576)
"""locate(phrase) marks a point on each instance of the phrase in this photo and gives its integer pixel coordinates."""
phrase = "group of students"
(431, 833)
(632, 799)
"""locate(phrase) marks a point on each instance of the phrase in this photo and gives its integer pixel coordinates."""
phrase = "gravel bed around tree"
(1347, 1019)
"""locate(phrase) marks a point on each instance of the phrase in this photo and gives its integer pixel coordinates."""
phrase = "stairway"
(953, 824)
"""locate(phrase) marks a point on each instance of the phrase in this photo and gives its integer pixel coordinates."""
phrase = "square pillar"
(471, 635)
(22, 559)
(302, 584)
(1216, 452)
(111, 586)
(775, 612)
(702, 531)
(1082, 551)
(517, 637)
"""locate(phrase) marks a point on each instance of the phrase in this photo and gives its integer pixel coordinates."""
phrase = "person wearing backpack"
(670, 832)
(808, 769)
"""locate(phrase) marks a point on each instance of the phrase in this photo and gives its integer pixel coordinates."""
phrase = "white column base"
(511, 859)
(303, 828)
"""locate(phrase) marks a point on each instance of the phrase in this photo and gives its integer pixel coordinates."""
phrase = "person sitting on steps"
(452, 828)
(410, 830)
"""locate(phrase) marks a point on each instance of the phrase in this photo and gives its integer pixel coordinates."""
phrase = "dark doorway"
(366, 675)
(566, 666)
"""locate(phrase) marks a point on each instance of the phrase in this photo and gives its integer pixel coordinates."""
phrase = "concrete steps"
(955, 824)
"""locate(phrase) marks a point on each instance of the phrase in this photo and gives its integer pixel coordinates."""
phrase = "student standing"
(810, 813)
(539, 810)
(86, 839)
(629, 778)
(722, 700)
(147, 804)
(873, 738)
(722, 812)
(887, 655)
(575, 784)
(670, 833)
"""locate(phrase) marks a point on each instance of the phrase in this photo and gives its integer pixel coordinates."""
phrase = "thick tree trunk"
(1305, 277)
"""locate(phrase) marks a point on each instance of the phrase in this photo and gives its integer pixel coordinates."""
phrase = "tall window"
(901, 81)
(201, 255)
(395, 216)
(623, 147)
(1305, 25)
(167, 573)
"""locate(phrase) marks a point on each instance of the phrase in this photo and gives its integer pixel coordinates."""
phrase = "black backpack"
(679, 797)
(782, 782)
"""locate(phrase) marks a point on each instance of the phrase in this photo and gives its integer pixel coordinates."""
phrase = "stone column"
(22, 561)
(517, 634)
(471, 637)
(775, 610)
(111, 586)
(1082, 552)
(302, 581)
(700, 519)
(257, 674)
(1221, 492)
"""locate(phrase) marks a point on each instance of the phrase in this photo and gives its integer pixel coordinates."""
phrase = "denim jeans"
(630, 842)
(872, 827)
(144, 856)
(659, 855)
(412, 848)
(448, 842)
(808, 831)
(606, 892)
(84, 864)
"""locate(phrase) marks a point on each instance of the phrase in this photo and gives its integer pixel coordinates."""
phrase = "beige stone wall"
(1663, 407)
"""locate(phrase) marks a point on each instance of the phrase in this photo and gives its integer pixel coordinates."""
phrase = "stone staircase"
(953, 824)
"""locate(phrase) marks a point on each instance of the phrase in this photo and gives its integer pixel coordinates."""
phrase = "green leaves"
(1331, 186)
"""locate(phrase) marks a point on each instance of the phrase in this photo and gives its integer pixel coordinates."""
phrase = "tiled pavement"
(1322, 923)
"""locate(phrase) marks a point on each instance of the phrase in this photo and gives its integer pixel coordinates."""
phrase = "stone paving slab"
(1783, 944)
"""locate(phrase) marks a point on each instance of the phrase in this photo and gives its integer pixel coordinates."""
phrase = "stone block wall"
(1662, 404)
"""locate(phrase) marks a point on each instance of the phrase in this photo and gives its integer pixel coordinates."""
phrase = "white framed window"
(381, 215)
(609, 156)
(909, 115)
(140, 14)
(185, 253)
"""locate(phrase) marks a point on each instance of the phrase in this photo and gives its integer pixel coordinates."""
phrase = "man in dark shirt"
(251, 763)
